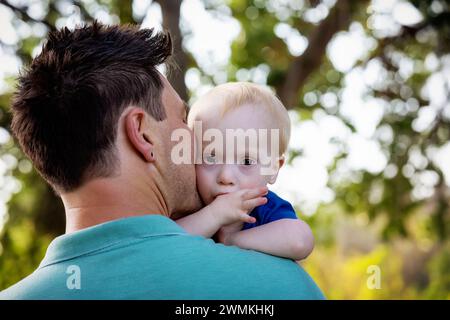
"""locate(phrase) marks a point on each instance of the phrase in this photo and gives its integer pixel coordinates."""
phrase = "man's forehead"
(163, 79)
(169, 94)
(167, 87)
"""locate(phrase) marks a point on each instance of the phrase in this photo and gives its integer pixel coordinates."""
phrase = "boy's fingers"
(252, 203)
(247, 218)
(253, 193)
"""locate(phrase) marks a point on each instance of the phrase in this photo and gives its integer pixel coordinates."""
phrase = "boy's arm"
(225, 209)
(288, 238)
(202, 223)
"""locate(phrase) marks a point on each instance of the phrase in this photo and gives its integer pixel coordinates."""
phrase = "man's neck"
(103, 200)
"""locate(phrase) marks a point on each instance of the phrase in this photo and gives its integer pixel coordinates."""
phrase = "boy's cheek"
(202, 177)
(204, 174)
(252, 182)
(251, 178)
(203, 183)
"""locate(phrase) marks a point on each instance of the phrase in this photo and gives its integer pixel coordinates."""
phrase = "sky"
(306, 181)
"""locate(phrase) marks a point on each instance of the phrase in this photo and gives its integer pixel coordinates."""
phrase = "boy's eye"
(210, 159)
(248, 162)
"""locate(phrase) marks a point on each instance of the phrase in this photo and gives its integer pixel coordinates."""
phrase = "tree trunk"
(171, 21)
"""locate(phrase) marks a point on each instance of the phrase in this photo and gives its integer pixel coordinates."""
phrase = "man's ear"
(137, 130)
(280, 163)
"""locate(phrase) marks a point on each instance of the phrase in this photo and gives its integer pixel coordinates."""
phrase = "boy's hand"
(225, 233)
(235, 206)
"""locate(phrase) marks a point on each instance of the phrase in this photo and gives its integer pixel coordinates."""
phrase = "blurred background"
(367, 85)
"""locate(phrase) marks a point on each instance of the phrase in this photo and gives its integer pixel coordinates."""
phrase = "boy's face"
(218, 174)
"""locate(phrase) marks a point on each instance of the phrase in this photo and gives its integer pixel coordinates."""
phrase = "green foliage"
(21, 252)
(398, 220)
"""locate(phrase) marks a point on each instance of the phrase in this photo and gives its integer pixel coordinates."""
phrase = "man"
(95, 117)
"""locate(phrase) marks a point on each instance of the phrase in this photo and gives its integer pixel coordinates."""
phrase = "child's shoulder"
(275, 200)
(276, 208)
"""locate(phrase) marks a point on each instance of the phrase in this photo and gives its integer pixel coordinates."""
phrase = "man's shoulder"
(174, 267)
(29, 288)
(252, 269)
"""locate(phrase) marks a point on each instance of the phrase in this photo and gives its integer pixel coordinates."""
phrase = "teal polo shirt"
(151, 257)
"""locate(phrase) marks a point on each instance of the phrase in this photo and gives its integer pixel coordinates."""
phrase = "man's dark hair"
(69, 100)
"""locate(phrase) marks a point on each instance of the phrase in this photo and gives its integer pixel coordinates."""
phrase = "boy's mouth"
(220, 194)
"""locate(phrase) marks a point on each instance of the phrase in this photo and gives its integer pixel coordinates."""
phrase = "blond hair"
(232, 95)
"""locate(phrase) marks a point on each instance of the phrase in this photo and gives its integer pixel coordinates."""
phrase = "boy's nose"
(226, 176)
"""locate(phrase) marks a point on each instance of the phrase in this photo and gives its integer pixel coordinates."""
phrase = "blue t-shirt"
(275, 209)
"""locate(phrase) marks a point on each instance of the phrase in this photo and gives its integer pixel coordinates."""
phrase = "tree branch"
(26, 17)
(303, 66)
(86, 16)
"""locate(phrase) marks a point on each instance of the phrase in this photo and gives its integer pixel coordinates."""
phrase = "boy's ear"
(137, 130)
(280, 163)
